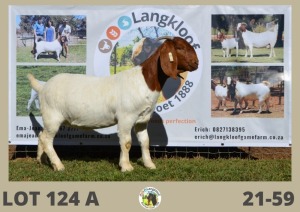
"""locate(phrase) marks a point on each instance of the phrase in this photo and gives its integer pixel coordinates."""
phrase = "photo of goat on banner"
(51, 39)
(247, 38)
(247, 91)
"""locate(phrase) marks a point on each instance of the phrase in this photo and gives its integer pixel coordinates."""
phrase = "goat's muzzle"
(194, 65)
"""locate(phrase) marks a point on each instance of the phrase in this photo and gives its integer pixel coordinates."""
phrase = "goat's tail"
(35, 84)
(266, 83)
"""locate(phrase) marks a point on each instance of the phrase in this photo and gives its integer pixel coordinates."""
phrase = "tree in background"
(27, 21)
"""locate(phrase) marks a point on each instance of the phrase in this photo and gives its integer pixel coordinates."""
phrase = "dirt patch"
(268, 152)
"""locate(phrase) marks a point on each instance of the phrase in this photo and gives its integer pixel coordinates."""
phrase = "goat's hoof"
(59, 167)
(43, 159)
(126, 167)
(150, 165)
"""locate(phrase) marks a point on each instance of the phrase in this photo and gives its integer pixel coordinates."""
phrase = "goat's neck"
(153, 73)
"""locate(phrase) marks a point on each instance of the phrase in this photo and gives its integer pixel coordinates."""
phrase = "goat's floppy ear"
(168, 59)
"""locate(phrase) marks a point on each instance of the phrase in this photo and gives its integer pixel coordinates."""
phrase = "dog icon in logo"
(105, 46)
(150, 198)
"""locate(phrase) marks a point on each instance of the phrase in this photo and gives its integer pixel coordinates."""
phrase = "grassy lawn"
(42, 73)
(119, 69)
(77, 54)
(168, 169)
(260, 55)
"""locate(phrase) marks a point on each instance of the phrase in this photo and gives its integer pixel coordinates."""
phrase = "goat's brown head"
(171, 58)
(242, 27)
(221, 36)
(176, 55)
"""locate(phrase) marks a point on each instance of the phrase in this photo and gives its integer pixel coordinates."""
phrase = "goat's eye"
(180, 48)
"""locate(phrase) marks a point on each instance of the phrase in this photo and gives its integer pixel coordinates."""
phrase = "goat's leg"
(251, 51)
(260, 103)
(246, 54)
(52, 122)
(225, 107)
(246, 105)
(272, 53)
(237, 51)
(142, 135)
(46, 146)
(240, 102)
(37, 103)
(219, 104)
(125, 144)
(268, 105)
(57, 55)
(41, 155)
(29, 104)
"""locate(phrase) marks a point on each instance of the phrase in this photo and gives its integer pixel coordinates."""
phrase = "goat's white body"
(228, 44)
(127, 99)
(260, 92)
(263, 39)
(95, 102)
(44, 46)
(221, 94)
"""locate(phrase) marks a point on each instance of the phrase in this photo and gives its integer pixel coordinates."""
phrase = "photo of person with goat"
(244, 91)
(247, 38)
(51, 39)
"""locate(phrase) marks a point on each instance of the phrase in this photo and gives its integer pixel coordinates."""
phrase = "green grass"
(168, 169)
(77, 54)
(119, 69)
(42, 73)
(260, 55)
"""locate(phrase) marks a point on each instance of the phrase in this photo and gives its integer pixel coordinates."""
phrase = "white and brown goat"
(221, 93)
(228, 44)
(244, 92)
(128, 101)
(258, 40)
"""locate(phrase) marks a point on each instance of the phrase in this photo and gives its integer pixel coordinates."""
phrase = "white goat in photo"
(260, 92)
(34, 98)
(228, 44)
(258, 40)
(44, 46)
(127, 99)
(221, 93)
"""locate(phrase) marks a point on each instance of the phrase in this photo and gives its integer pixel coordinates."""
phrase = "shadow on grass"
(95, 152)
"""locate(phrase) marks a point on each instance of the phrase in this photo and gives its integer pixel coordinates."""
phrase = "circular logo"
(133, 38)
(150, 198)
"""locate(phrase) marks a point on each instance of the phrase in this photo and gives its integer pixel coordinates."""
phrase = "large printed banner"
(239, 96)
